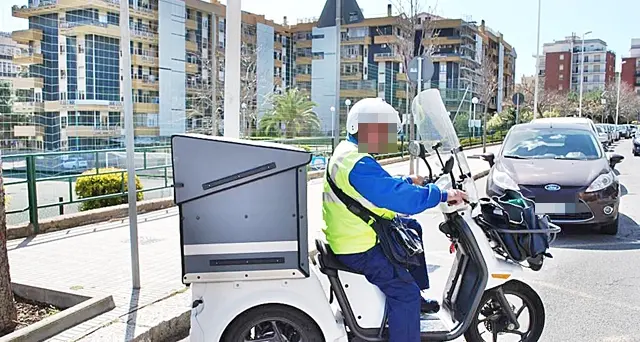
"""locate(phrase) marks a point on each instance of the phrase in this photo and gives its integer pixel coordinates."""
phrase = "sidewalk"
(95, 259)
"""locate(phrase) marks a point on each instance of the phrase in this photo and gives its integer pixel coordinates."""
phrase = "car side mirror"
(489, 157)
(615, 159)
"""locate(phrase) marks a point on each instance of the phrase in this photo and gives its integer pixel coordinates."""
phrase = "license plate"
(555, 208)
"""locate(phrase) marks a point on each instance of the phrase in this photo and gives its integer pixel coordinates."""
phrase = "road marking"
(584, 295)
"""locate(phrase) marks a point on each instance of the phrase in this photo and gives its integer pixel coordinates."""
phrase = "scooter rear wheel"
(495, 320)
(275, 323)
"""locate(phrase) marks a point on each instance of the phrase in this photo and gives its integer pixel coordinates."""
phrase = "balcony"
(144, 83)
(356, 93)
(191, 24)
(277, 63)
(28, 58)
(303, 78)
(455, 40)
(387, 57)
(351, 58)
(365, 40)
(145, 107)
(144, 35)
(26, 11)
(303, 60)
(303, 44)
(144, 60)
(146, 131)
(191, 45)
(401, 77)
(401, 94)
(385, 39)
(351, 77)
(84, 27)
(277, 45)
(26, 36)
(93, 131)
(53, 6)
(28, 107)
(83, 105)
(30, 131)
(191, 68)
(27, 82)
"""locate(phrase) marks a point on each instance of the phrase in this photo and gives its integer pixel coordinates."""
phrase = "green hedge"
(106, 182)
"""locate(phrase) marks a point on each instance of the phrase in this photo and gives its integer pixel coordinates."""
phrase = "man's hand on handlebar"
(455, 196)
(417, 180)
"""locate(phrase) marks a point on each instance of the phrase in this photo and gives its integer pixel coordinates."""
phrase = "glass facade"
(102, 68)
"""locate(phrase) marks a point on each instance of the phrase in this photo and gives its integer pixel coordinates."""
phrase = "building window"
(318, 55)
(561, 67)
(560, 87)
(561, 77)
(562, 57)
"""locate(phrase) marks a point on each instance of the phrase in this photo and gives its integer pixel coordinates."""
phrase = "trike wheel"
(491, 323)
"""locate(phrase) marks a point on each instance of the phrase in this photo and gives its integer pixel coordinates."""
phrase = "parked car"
(564, 169)
(75, 163)
(603, 136)
(635, 149)
(624, 130)
(610, 134)
(568, 119)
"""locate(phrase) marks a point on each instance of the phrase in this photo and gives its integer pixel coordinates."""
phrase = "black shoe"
(430, 306)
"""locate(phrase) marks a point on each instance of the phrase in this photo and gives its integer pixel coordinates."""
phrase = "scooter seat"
(329, 263)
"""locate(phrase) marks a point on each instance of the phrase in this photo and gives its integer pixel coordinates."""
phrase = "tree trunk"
(484, 130)
(8, 315)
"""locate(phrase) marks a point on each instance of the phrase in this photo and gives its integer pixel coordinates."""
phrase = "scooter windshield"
(434, 127)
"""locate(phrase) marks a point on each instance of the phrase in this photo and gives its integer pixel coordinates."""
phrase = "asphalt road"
(591, 288)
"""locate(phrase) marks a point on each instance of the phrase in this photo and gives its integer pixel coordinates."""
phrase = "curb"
(175, 329)
(71, 316)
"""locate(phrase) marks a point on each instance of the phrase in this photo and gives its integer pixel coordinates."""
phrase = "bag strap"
(352, 205)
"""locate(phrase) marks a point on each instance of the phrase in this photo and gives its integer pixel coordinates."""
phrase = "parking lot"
(590, 287)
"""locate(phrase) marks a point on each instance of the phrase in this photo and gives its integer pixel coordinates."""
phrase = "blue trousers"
(400, 286)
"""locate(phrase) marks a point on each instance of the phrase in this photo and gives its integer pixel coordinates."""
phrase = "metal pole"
(471, 118)
(537, 81)
(130, 142)
(517, 108)
(618, 100)
(232, 69)
(420, 59)
(336, 118)
(581, 76)
(475, 107)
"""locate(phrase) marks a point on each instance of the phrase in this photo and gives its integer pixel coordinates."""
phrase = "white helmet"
(371, 110)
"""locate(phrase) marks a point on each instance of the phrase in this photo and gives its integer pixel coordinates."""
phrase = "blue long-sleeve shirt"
(397, 194)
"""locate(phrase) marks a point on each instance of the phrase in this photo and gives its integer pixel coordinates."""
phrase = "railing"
(72, 24)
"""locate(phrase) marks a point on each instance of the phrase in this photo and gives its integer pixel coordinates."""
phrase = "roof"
(564, 119)
(351, 13)
(555, 124)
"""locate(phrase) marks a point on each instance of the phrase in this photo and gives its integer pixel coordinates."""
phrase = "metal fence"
(42, 185)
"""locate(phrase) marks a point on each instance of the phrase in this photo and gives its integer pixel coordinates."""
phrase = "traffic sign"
(318, 162)
(518, 99)
(475, 123)
(427, 69)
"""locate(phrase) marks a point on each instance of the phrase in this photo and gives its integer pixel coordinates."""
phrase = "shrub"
(91, 184)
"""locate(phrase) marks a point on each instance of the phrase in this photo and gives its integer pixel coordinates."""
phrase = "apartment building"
(74, 81)
(561, 69)
(8, 47)
(630, 73)
(372, 65)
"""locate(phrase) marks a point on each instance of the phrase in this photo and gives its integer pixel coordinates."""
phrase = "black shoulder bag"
(400, 245)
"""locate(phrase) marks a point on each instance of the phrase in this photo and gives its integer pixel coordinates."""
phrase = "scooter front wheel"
(273, 323)
(491, 323)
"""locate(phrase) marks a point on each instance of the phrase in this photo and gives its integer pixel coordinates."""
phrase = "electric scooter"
(336, 303)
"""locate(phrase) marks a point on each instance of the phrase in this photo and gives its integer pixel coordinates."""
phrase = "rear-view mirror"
(615, 159)
(489, 157)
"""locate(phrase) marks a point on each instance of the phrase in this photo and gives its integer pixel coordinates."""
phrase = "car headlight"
(502, 180)
(636, 141)
(601, 182)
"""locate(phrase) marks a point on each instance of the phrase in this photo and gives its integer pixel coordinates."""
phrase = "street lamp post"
(244, 118)
(537, 81)
(474, 101)
(347, 103)
(603, 102)
(582, 72)
(333, 122)
(618, 97)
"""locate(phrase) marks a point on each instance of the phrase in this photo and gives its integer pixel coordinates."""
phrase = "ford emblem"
(552, 187)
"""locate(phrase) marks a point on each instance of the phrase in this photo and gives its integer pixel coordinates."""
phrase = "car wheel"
(610, 228)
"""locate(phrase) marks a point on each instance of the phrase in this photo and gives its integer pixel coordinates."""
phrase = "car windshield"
(551, 143)
(600, 129)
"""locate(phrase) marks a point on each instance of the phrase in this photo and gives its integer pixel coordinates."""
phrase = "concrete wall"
(323, 74)
(172, 52)
(264, 67)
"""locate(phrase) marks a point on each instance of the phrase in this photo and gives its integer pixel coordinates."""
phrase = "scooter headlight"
(502, 180)
(601, 182)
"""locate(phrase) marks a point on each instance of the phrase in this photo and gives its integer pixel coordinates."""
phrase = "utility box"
(243, 208)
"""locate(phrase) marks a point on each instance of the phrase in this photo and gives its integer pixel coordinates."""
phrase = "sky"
(516, 19)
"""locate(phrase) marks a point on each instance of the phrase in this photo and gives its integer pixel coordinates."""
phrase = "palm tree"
(294, 110)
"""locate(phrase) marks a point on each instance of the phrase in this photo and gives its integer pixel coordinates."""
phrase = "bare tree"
(629, 102)
(486, 85)
(548, 100)
(206, 101)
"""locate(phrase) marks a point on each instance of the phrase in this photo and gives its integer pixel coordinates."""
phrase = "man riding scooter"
(372, 127)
